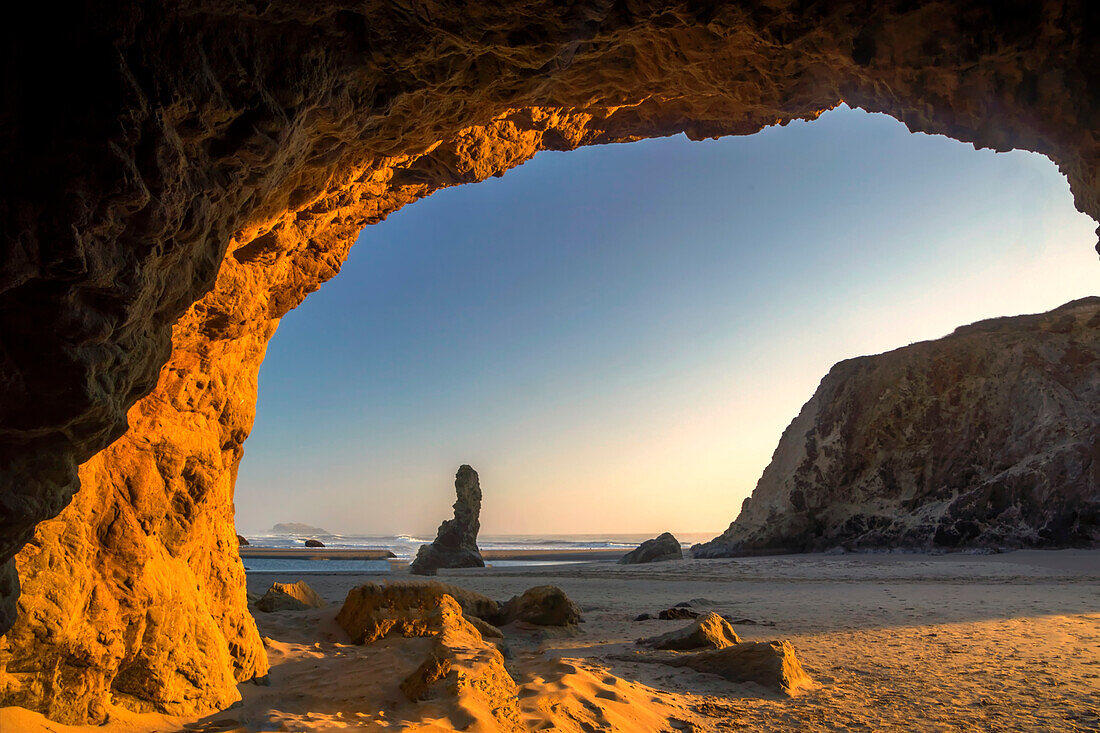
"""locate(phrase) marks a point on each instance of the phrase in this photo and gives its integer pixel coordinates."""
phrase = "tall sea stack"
(455, 544)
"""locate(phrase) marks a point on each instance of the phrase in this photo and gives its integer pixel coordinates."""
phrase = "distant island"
(299, 528)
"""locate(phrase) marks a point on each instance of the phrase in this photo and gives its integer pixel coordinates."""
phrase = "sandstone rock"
(543, 605)
(986, 437)
(290, 597)
(464, 670)
(373, 610)
(663, 547)
(709, 631)
(242, 542)
(314, 543)
(771, 664)
(154, 234)
(455, 544)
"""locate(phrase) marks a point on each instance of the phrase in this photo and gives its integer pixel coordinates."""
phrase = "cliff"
(989, 437)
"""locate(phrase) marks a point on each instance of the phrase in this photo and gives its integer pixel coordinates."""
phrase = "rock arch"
(181, 175)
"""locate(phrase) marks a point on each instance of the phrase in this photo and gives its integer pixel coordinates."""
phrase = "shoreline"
(326, 553)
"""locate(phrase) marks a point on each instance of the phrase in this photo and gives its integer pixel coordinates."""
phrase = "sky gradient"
(616, 337)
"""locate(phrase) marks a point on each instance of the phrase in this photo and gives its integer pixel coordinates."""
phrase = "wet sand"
(1006, 642)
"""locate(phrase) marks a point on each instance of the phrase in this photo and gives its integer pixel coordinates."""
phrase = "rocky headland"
(988, 438)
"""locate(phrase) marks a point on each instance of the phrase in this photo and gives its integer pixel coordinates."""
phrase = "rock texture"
(455, 544)
(543, 605)
(771, 664)
(708, 632)
(180, 175)
(290, 597)
(462, 670)
(989, 437)
(314, 543)
(373, 610)
(661, 548)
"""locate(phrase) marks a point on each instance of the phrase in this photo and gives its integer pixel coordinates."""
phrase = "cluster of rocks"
(466, 658)
(717, 649)
(687, 610)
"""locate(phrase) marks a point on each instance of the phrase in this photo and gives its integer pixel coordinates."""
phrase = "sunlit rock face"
(180, 175)
(989, 437)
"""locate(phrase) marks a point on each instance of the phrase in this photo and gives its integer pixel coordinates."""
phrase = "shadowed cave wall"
(180, 176)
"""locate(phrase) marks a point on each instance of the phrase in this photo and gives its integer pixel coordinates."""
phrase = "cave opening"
(649, 315)
(220, 162)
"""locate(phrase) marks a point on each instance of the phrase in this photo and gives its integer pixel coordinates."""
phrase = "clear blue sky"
(615, 337)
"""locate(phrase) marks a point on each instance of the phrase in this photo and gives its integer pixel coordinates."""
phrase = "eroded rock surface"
(708, 632)
(988, 437)
(462, 670)
(660, 548)
(145, 142)
(543, 605)
(373, 610)
(771, 664)
(455, 544)
(290, 597)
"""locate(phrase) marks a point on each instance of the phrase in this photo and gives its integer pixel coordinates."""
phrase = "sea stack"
(455, 544)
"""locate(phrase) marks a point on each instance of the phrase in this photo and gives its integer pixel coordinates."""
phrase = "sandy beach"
(1005, 642)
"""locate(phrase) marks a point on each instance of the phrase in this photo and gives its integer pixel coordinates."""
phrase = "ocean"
(404, 546)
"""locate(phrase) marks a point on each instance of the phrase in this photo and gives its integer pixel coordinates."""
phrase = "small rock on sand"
(543, 605)
(772, 664)
(677, 613)
(708, 632)
(290, 597)
(314, 543)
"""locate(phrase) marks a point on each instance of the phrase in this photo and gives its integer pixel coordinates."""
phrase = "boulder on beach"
(374, 610)
(771, 664)
(543, 605)
(658, 549)
(707, 632)
(242, 542)
(455, 544)
(314, 543)
(290, 597)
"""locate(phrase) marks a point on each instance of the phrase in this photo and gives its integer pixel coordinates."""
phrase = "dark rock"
(644, 617)
(455, 544)
(707, 632)
(677, 614)
(314, 543)
(659, 549)
(986, 438)
(543, 605)
(242, 542)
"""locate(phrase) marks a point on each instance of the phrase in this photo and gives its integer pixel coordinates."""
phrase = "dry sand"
(1005, 642)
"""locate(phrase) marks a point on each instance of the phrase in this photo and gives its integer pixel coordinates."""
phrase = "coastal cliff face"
(989, 437)
(181, 175)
